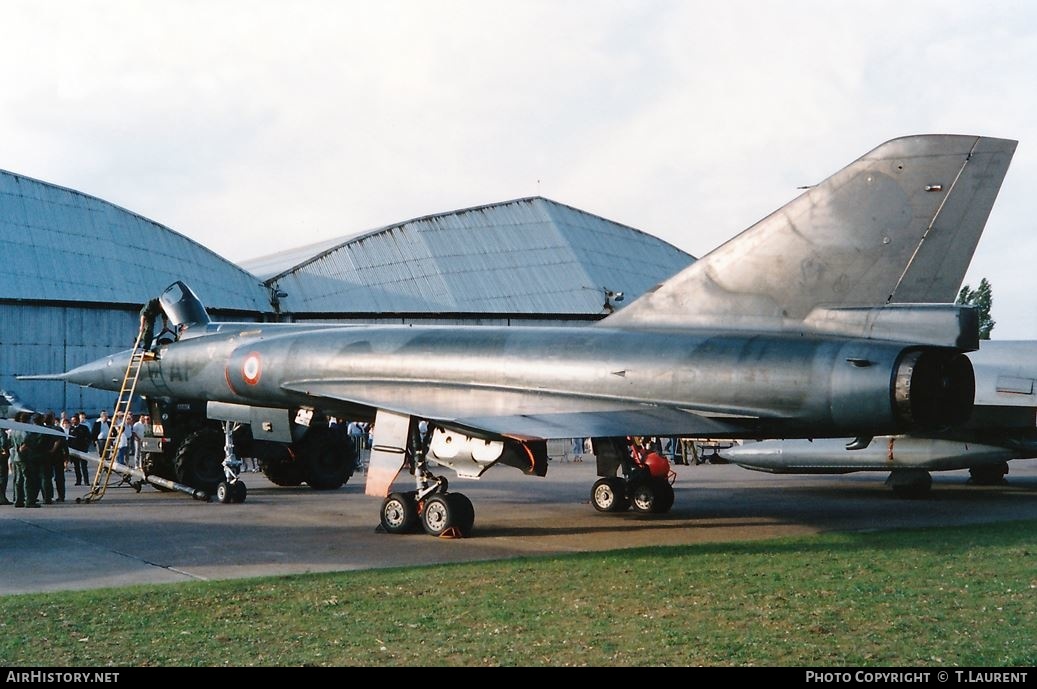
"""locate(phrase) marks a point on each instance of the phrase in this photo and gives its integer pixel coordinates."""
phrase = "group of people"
(128, 451)
(676, 450)
(360, 433)
(37, 462)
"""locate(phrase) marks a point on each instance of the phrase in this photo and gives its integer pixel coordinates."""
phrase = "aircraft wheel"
(240, 491)
(610, 495)
(993, 475)
(400, 513)
(439, 515)
(329, 459)
(224, 493)
(664, 496)
(281, 468)
(199, 460)
(653, 496)
(910, 483)
(464, 512)
(642, 497)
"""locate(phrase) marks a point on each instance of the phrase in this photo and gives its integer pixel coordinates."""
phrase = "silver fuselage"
(679, 382)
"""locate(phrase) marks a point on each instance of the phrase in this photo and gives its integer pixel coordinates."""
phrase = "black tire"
(652, 496)
(910, 484)
(240, 491)
(153, 464)
(282, 469)
(609, 494)
(199, 460)
(464, 513)
(225, 493)
(400, 513)
(642, 496)
(328, 458)
(438, 515)
(989, 475)
(664, 496)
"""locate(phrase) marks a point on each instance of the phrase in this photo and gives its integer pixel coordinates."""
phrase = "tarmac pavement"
(156, 537)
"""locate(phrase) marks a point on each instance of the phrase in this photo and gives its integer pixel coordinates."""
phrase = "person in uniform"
(79, 439)
(28, 446)
(46, 461)
(53, 456)
(148, 313)
(5, 456)
(17, 439)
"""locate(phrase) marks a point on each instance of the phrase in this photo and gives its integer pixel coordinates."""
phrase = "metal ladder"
(116, 431)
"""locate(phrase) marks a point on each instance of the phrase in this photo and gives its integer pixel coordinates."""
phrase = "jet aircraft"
(805, 325)
(11, 405)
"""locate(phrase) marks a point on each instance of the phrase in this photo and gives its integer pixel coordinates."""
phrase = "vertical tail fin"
(898, 225)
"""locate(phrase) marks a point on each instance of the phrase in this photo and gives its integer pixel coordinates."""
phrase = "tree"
(982, 299)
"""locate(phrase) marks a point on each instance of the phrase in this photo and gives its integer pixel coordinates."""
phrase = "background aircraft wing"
(30, 427)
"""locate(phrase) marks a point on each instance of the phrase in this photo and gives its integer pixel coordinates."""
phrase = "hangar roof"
(529, 255)
(58, 244)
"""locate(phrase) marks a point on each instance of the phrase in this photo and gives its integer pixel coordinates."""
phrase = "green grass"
(954, 596)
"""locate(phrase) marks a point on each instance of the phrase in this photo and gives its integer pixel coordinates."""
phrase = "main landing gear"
(430, 505)
(647, 486)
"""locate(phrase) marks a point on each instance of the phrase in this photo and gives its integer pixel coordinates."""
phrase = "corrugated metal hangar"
(78, 268)
(531, 260)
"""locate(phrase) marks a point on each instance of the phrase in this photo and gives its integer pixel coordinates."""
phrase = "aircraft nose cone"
(102, 373)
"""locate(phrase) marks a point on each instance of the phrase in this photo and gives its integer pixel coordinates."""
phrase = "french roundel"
(251, 370)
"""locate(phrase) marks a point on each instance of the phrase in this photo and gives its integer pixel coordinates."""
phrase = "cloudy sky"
(257, 126)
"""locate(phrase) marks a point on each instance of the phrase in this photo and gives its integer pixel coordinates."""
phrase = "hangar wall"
(76, 271)
(49, 339)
